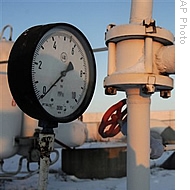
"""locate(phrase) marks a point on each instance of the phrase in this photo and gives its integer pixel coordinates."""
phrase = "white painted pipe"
(43, 174)
(46, 146)
(138, 140)
(140, 10)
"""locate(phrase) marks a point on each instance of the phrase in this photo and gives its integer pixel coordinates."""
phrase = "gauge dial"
(61, 72)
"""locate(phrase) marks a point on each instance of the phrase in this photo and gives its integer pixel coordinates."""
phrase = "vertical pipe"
(138, 141)
(111, 58)
(46, 143)
(140, 10)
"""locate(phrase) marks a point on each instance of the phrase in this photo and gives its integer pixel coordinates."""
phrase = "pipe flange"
(122, 81)
(131, 31)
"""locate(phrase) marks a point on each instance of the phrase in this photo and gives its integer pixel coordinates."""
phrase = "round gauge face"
(60, 74)
(52, 72)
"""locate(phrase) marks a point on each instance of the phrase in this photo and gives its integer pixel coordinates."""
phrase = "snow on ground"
(160, 179)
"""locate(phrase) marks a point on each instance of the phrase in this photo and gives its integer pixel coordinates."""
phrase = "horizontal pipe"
(100, 49)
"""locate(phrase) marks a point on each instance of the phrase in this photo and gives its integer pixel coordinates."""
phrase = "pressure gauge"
(52, 72)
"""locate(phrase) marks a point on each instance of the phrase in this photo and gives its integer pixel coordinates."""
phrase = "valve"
(141, 56)
(110, 124)
(140, 59)
(116, 119)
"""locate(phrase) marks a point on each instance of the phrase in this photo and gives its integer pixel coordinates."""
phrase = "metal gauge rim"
(19, 70)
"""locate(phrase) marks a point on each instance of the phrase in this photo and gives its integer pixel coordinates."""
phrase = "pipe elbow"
(165, 59)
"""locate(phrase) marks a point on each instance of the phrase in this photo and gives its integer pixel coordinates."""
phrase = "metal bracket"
(165, 93)
(110, 90)
(150, 25)
(149, 88)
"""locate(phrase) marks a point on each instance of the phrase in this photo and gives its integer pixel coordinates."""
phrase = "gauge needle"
(63, 74)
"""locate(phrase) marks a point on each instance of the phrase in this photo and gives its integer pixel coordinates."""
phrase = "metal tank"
(10, 114)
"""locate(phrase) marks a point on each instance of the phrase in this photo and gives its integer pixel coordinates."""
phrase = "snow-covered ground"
(160, 179)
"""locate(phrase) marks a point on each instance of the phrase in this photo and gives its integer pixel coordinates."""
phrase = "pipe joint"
(138, 53)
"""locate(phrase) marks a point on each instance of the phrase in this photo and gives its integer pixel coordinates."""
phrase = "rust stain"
(114, 152)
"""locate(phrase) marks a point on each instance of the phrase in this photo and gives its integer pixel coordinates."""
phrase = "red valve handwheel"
(112, 117)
